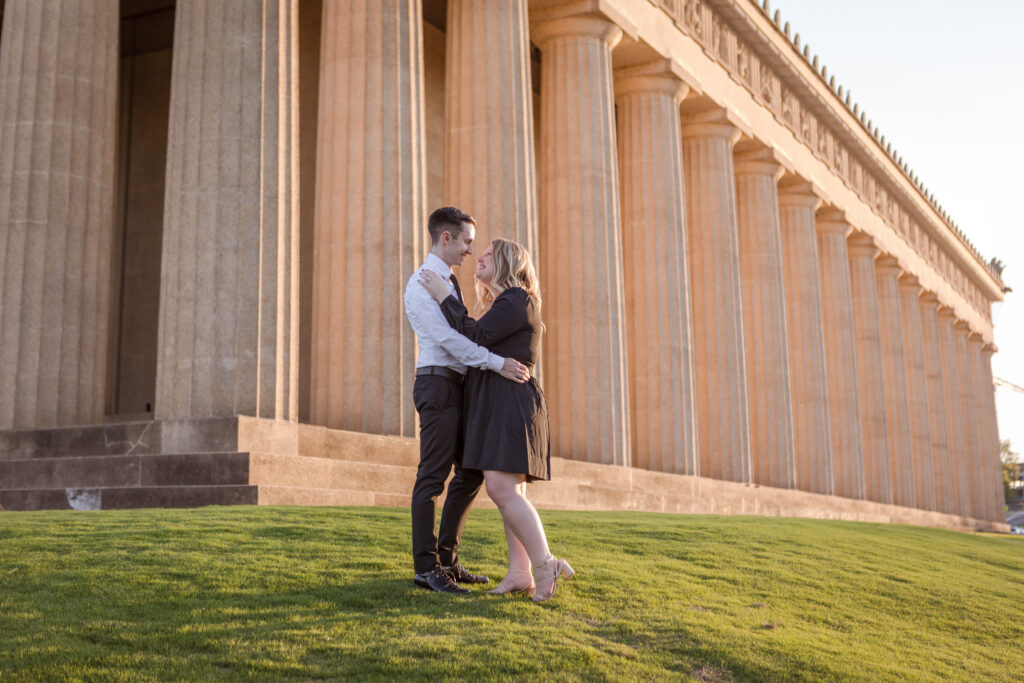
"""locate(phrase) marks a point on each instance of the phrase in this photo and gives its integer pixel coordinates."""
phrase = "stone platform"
(250, 461)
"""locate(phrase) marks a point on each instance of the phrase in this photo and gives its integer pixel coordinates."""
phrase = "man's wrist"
(495, 363)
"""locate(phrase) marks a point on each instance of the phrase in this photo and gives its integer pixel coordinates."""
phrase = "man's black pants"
(438, 400)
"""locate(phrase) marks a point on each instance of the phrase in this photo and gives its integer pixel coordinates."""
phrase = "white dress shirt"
(439, 343)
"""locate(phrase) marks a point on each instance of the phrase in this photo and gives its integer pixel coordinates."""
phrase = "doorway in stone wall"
(147, 32)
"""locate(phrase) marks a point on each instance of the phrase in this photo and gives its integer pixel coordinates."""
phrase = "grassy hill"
(326, 593)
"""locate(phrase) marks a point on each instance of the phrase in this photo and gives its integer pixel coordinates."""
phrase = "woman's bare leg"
(518, 559)
(519, 578)
(507, 491)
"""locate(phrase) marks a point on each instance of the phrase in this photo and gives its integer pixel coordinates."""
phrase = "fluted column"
(769, 397)
(840, 354)
(968, 419)
(719, 362)
(938, 420)
(915, 355)
(954, 420)
(581, 248)
(981, 455)
(812, 440)
(489, 160)
(894, 373)
(992, 466)
(58, 119)
(370, 214)
(661, 393)
(229, 282)
(870, 378)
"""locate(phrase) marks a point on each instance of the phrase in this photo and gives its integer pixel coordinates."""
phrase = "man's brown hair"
(447, 219)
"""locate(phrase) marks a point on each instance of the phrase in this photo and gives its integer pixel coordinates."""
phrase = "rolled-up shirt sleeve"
(429, 323)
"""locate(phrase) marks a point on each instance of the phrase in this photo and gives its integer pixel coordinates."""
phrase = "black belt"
(440, 371)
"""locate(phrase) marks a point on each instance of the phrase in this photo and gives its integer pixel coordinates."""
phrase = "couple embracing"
(480, 410)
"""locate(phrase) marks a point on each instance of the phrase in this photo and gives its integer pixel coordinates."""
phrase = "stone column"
(370, 215)
(580, 241)
(769, 397)
(894, 374)
(840, 354)
(954, 419)
(967, 403)
(58, 120)
(870, 376)
(808, 373)
(981, 456)
(310, 25)
(938, 420)
(489, 161)
(719, 353)
(229, 284)
(992, 466)
(915, 354)
(662, 409)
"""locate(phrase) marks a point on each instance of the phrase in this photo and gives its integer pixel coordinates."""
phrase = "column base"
(252, 461)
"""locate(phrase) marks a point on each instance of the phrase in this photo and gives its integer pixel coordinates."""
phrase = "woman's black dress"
(506, 422)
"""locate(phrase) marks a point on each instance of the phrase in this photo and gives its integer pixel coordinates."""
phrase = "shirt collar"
(438, 266)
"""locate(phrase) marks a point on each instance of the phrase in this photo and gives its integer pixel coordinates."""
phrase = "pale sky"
(941, 80)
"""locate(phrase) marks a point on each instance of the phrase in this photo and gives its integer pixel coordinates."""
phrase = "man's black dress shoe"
(461, 575)
(439, 580)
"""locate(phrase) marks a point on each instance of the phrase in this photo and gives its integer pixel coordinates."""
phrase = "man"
(444, 355)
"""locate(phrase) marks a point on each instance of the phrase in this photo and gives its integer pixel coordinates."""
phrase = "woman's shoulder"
(519, 299)
(514, 294)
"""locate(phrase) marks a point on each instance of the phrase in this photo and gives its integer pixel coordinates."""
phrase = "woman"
(507, 423)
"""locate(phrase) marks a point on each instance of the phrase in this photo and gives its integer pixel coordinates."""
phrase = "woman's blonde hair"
(513, 267)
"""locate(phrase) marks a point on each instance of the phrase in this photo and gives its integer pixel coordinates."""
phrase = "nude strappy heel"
(506, 586)
(547, 573)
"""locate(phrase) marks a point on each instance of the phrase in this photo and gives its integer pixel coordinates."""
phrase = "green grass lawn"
(326, 593)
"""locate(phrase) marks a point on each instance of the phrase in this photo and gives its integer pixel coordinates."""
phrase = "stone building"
(209, 209)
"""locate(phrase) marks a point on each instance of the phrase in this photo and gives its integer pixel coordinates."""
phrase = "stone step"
(204, 468)
(115, 498)
(117, 439)
(328, 473)
(290, 479)
(48, 482)
(120, 471)
(208, 436)
(297, 495)
(336, 444)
